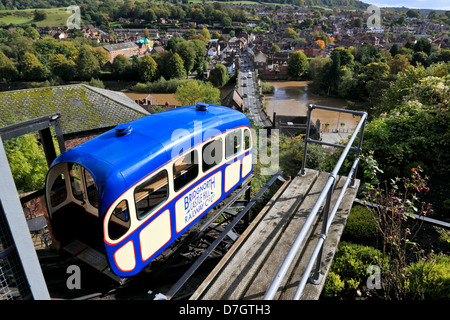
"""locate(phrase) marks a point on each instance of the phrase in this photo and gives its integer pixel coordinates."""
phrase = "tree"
(290, 33)
(147, 68)
(423, 45)
(398, 64)
(200, 52)
(62, 67)
(32, 68)
(413, 13)
(40, 15)
(219, 76)
(187, 54)
(205, 33)
(320, 43)
(31, 32)
(121, 66)
(376, 71)
(176, 66)
(307, 23)
(420, 57)
(358, 23)
(7, 69)
(189, 33)
(297, 64)
(87, 64)
(275, 48)
(415, 122)
(27, 162)
(102, 56)
(192, 91)
(344, 56)
(394, 50)
(215, 35)
(173, 42)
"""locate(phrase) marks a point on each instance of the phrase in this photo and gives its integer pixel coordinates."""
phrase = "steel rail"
(174, 289)
(326, 193)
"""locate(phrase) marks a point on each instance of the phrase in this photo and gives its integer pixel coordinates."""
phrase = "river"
(292, 98)
(289, 98)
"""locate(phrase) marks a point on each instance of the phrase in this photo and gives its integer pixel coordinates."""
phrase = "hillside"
(328, 4)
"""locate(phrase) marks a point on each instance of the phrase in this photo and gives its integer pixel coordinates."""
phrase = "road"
(248, 89)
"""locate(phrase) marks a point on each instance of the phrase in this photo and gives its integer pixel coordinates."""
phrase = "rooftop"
(120, 46)
(82, 107)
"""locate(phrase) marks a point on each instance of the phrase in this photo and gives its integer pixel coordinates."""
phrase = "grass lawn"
(56, 17)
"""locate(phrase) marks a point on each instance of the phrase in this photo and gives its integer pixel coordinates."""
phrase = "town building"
(128, 49)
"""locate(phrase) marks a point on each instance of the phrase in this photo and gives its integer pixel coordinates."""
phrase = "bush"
(350, 264)
(430, 279)
(161, 85)
(333, 285)
(360, 227)
(96, 83)
(267, 88)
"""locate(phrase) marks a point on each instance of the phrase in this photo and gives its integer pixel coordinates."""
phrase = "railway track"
(177, 272)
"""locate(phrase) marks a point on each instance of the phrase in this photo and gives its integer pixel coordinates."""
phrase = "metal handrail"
(324, 195)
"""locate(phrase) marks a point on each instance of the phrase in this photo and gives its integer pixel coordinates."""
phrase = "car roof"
(121, 157)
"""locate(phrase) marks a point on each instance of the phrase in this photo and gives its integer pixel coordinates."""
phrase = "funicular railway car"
(130, 192)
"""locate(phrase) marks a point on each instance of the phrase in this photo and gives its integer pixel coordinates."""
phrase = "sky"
(414, 4)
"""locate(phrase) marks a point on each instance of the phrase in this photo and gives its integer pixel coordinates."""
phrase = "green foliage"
(121, 66)
(87, 64)
(32, 68)
(290, 33)
(430, 280)
(360, 227)
(27, 162)
(291, 155)
(40, 15)
(160, 86)
(333, 285)
(147, 68)
(394, 95)
(219, 76)
(350, 264)
(417, 123)
(187, 53)
(297, 64)
(96, 83)
(176, 67)
(62, 67)
(7, 69)
(191, 92)
(267, 88)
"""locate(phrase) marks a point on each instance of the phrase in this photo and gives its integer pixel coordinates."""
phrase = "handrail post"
(308, 127)
(316, 277)
(358, 153)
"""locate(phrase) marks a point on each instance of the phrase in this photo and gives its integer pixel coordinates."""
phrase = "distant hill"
(329, 4)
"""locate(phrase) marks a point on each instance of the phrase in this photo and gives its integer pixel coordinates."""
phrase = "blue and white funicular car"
(130, 192)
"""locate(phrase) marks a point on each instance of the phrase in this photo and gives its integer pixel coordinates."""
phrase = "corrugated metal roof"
(120, 46)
